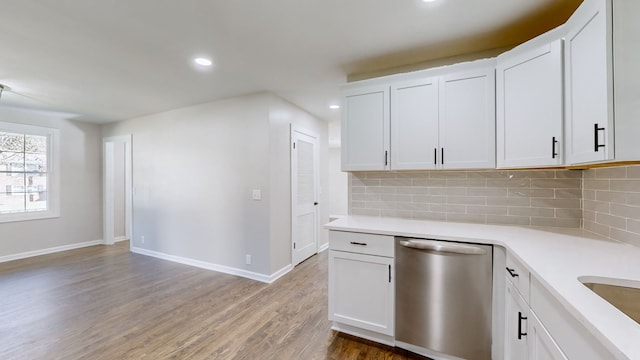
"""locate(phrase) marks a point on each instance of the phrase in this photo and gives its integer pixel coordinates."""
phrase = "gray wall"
(281, 115)
(193, 172)
(81, 187)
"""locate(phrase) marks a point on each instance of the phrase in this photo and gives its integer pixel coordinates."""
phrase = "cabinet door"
(365, 129)
(516, 317)
(541, 344)
(361, 291)
(414, 124)
(589, 83)
(467, 120)
(529, 107)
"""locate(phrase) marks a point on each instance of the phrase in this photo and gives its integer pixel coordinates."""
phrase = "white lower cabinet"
(525, 336)
(361, 286)
(541, 344)
(362, 303)
(537, 326)
(571, 336)
(517, 313)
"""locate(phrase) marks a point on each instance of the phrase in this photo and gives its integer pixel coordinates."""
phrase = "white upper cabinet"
(438, 119)
(414, 124)
(434, 119)
(529, 105)
(444, 122)
(602, 50)
(467, 119)
(626, 59)
(365, 128)
(589, 83)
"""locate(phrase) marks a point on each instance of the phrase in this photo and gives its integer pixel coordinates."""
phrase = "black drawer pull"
(358, 243)
(512, 272)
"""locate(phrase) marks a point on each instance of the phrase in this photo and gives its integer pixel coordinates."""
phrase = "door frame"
(108, 191)
(293, 172)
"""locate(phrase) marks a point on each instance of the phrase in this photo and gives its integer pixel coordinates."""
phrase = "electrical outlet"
(142, 239)
(247, 259)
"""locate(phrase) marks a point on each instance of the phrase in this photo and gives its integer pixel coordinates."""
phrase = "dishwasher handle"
(443, 246)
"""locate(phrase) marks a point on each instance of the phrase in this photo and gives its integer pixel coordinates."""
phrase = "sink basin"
(624, 295)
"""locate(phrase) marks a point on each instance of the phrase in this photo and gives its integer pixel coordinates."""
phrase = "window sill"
(36, 215)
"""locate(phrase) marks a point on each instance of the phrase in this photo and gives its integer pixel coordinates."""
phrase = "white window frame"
(53, 172)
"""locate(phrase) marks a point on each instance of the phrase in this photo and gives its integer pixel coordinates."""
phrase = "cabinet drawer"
(381, 245)
(518, 275)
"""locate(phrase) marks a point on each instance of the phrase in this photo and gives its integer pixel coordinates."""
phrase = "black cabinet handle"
(512, 272)
(442, 156)
(520, 318)
(358, 243)
(435, 156)
(386, 158)
(389, 274)
(315, 203)
(553, 147)
(596, 145)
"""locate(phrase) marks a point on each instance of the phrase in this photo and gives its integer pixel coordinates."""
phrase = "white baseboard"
(215, 267)
(120, 238)
(323, 247)
(280, 273)
(52, 250)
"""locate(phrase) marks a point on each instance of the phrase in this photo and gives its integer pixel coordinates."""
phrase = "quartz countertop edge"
(557, 257)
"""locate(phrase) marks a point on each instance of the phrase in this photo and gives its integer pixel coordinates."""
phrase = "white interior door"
(304, 194)
(117, 211)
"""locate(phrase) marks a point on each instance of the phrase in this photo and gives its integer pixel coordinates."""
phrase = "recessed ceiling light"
(427, 1)
(334, 107)
(203, 61)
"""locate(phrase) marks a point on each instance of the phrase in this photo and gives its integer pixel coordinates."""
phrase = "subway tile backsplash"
(611, 202)
(605, 201)
(518, 197)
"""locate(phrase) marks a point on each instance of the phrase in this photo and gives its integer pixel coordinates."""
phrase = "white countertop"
(557, 257)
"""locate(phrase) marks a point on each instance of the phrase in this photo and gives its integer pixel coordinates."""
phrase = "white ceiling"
(110, 60)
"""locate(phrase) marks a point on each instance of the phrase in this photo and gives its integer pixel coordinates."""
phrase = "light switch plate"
(257, 194)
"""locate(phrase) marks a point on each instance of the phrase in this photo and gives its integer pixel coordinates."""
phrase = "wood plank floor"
(103, 302)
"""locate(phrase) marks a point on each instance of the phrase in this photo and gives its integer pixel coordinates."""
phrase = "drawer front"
(370, 244)
(518, 275)
(571, 336)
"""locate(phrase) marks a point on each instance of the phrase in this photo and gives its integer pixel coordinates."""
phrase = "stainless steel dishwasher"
(443, 298)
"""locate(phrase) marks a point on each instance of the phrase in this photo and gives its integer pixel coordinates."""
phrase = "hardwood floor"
(103, 302)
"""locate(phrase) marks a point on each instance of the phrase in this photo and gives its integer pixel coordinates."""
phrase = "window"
(29, 172)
